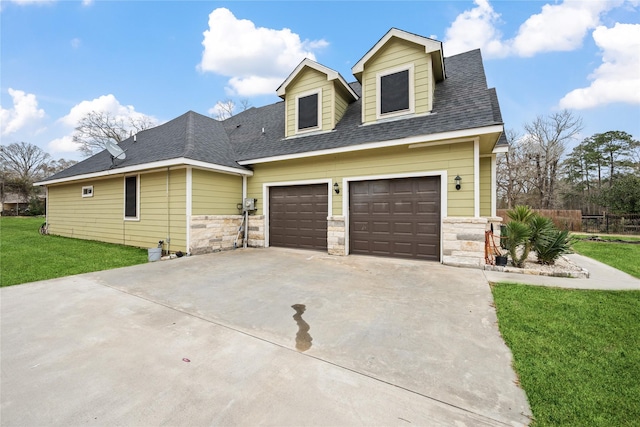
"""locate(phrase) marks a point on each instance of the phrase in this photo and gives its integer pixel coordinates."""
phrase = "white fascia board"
(465, 133)
(181, 161)
(331, 75)
(500, 149)
(430, 45)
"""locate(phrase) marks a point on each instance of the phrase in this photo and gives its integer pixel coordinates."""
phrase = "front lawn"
(576, 352)
(622, 256)
(26, 256)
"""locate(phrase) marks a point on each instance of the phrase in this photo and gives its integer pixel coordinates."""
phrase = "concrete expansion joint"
(231, 328)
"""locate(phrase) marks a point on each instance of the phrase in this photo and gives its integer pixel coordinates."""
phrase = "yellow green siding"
(454, 158)
(215, 193)
(394, 54)
(162, 212)
(485, 186)
(309, 80)
(341, 103)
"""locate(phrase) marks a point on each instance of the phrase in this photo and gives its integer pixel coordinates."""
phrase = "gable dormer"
(398, 76)
(316, 98)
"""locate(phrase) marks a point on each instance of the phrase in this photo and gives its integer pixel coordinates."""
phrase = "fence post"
(606, 220)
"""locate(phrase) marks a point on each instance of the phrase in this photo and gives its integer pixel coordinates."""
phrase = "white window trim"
(265, 199)
(303, 95)
(88, 193)
(412, 106)
(124, 198)
(443, 174)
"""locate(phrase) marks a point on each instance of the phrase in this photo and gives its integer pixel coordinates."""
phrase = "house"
(400, 163)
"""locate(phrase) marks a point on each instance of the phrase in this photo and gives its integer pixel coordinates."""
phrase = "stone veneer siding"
(463, 240)
(256, 231)
(335, 235)
(213, 233)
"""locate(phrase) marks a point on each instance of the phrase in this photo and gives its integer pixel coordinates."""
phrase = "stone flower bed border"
(562, 268)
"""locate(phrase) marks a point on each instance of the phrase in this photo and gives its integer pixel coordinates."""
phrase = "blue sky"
(62, 59)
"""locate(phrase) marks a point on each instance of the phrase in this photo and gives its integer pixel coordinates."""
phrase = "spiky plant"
(517, 235)
(557, 243)
(520, 213)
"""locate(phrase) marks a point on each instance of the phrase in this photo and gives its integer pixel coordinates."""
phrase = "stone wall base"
(256, 231)
(463, 240)
(213, 233)
(335, 235)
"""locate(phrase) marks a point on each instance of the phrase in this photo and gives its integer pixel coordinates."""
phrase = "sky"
(60, 59)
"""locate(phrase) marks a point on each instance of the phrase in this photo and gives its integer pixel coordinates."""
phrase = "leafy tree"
(624, 195)
(98, 127)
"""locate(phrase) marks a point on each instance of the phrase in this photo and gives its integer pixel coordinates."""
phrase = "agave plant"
(557, 243)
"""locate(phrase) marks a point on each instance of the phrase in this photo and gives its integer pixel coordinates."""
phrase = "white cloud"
(617, 79)
(475, 28)
(63, 145)
(558, 27)
(75, 43)
(24, 113)
(105, 104)
(257, 59)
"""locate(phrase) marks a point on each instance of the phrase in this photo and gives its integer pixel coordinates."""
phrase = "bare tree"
(22, 164)
(547, 140)
(227, 108)
(97, 127)
(512, 174)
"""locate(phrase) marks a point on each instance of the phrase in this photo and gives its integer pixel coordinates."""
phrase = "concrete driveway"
(258, 336)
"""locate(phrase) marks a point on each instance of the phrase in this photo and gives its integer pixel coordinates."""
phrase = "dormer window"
(395, 92)
(308, 111)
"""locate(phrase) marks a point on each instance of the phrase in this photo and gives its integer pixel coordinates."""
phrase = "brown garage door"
(395, 217)
(298, 216)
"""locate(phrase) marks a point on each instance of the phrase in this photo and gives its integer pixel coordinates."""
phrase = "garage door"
(395, 217)
(298, 216)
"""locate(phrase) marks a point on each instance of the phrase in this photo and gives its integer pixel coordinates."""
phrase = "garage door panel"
(298, 216)
(409, 228)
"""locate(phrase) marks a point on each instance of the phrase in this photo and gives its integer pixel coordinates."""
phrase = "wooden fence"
(563, 219)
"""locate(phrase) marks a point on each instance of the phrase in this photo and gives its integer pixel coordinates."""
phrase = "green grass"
(576, 352)
(622, 256)
(26, 256)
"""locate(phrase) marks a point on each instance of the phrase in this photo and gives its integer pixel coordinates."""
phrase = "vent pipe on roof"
(263, 131)
(135, 137)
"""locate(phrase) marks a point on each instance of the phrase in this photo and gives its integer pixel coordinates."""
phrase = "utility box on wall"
(249, 204)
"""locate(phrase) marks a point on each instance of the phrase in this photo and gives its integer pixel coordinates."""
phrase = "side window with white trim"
(87, 191)
(131, 197)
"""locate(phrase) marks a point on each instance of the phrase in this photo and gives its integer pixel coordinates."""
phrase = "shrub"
(556, 244)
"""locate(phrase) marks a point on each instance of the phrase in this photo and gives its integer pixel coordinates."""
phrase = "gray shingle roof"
(192, 136)
(461, 101)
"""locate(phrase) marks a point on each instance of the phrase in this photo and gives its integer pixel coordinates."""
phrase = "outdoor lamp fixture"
(336, 188)
(457, 179)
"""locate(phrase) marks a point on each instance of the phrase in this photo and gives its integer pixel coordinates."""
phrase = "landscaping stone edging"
(579, 273)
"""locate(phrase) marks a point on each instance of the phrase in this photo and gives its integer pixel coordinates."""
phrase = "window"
(395, 94)
(131, 197)
(308, 108)
(87, 191)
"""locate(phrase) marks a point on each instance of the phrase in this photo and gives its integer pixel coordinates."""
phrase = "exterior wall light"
(458, 179)
(336, 188)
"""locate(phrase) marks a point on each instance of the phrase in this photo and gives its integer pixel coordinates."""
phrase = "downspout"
(245, 213)
(168, 239)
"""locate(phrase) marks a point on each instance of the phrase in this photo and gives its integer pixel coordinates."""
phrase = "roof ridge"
(189, 144)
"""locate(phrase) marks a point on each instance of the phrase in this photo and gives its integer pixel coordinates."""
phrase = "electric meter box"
(250, 204)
